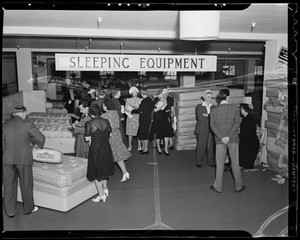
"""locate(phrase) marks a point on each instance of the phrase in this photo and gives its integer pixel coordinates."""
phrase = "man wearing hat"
(205, 152)
(18, 136)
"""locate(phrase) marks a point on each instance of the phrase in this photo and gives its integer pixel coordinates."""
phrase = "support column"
(24, 69)
(187, 79)
(251, 77)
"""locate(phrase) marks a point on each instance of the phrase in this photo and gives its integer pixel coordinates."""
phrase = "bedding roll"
(47, 155)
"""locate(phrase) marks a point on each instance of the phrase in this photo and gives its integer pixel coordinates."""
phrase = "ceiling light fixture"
(253, 24)
(120, 4)
(207, 22)
(99, 21)
(108, 4)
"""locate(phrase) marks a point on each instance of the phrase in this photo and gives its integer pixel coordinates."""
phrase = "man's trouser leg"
(221, 150)
(10, 183)
(235, 166)
(26, 186)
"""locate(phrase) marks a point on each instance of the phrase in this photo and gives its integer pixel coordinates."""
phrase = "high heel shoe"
(125, 177)
(159, 152)
(98, 199)
(166, 153)
(129, 149)
(145, 152)
(106, 192)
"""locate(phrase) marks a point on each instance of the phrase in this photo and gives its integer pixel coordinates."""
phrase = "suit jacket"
(224, 122)
(16, 138)
(203, 123)
(81, 128)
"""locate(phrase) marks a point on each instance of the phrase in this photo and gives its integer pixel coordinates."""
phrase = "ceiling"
(148, 31)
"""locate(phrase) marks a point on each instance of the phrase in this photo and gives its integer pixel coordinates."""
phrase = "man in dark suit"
(17, 136)
(225, 121)
(205, 152)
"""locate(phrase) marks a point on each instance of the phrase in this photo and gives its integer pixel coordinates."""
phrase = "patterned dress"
(118, 108)
(119, 150)
(132, 124)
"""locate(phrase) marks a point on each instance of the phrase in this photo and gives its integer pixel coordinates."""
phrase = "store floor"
(169, 193)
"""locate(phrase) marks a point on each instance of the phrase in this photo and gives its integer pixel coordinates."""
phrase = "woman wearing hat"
(249, 142)
(119, 150)
(132, 123)
(161, 125)
(145, 111)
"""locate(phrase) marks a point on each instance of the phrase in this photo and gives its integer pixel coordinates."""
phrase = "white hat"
(165, 90)
(92, 91)
(247, 100)
(207, 91)
(133, 89)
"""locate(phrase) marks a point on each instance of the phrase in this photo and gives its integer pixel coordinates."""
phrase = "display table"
(61, 186)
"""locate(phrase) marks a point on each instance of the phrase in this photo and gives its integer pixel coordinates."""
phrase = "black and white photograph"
(136, 119)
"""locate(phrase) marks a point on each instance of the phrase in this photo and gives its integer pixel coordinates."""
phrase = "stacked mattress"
(186, 101)
(57, 130)
(61, 186)
(277, 125)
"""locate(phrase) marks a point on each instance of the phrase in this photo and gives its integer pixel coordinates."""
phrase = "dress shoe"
(106, 192)
(129, 149)
(171, 147)
(242, 189)
(145, 152)
(198, 165)
(159, 152)
(213, 188)
(166, 153)
(34, 210)
(125, 177)
(12, 216)
(100, 198)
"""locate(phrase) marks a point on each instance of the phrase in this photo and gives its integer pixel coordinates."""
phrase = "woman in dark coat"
(161, 125)
(100, 160)
(145, 111)
(249, 142)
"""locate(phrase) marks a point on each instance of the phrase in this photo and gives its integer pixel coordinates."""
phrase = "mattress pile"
(55, 107)
(61, 186)
(277, 125)
(57, 129)
(186, 101)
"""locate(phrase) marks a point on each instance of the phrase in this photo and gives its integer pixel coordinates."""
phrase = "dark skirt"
(248, 150)
(100, 162)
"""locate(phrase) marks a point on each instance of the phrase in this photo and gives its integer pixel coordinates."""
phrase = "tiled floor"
(169, 193)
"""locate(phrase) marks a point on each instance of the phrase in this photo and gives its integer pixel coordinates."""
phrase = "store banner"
(100, 62)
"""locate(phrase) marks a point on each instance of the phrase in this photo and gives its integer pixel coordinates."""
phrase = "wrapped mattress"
(65, 145)
(56, 110)
(48, 115)
(278, 163)
(279, 145)
(276, 83)
(274, 107)
(275, 126)
(192, 94)
(69, 171)
(61, 186)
